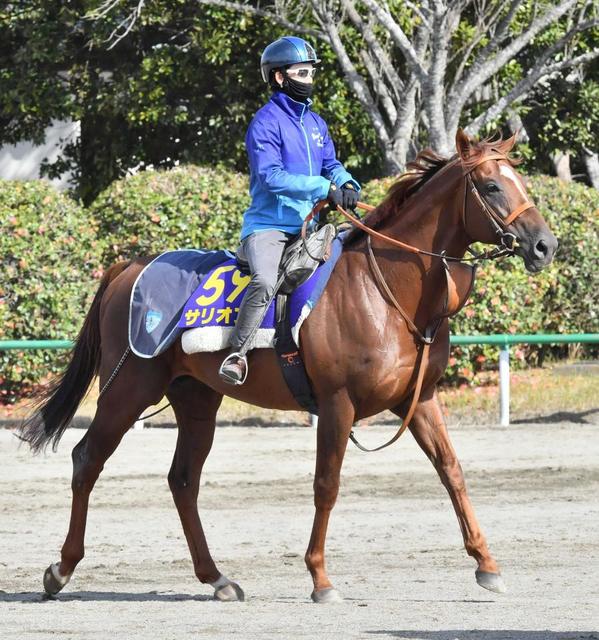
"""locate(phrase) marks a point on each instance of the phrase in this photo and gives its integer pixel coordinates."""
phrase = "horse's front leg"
(334, 424)
(430, 431)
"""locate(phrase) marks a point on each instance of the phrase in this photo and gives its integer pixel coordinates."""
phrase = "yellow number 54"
(215, 282)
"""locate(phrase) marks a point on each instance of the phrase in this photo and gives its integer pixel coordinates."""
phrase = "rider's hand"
(334, 196)
(349, 196)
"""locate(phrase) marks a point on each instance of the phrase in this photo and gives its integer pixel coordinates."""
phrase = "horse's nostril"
(541, 247)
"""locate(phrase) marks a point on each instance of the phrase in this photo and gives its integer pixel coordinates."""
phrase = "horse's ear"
(463, 144)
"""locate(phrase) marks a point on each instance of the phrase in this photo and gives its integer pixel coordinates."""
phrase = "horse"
(363, 345)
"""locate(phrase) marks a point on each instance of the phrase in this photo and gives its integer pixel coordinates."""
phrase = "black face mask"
(299, 91)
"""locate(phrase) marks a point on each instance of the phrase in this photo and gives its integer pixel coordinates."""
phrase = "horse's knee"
(452, 475)
(79, 454)
(326, 490)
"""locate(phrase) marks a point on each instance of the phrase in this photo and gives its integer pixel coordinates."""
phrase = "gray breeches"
(262, 251)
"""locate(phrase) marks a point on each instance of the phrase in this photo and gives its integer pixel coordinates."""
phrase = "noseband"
(500, 225)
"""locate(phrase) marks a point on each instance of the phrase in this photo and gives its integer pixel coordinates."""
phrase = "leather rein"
(453, 304)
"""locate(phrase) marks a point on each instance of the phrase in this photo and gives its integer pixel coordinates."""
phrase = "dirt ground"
(394, 547)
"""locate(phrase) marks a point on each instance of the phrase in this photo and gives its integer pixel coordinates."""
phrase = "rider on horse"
(292, 166)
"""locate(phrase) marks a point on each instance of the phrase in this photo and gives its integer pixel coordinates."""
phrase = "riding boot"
(234, 369)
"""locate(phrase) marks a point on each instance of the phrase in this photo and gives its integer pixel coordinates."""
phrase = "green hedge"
(564, 298)
(51, 260)
(50, 265)
(154, 211)
(200, 207)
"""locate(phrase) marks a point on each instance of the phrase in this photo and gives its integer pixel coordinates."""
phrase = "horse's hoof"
(53, 581)
(491, 581)
(230, 592)
(326, 596)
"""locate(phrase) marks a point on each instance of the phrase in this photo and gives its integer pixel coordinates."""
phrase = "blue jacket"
(292, 164)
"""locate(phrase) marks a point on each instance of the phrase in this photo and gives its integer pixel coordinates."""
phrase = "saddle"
(300, 259)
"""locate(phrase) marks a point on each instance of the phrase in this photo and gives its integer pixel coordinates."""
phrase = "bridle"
(507, 242)
(507, 239)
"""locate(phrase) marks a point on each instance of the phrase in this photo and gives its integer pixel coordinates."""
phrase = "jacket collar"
(290, 106)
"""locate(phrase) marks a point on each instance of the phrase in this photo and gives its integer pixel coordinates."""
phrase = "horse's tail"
(56, 407)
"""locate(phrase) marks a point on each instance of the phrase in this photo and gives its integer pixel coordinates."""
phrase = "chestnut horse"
(361, 346)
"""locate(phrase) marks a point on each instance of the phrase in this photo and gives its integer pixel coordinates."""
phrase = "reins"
(507, 239)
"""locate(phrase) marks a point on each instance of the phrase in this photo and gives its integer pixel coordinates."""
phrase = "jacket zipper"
(306, 139)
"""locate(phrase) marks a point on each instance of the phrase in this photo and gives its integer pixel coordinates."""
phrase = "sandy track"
(394, 548)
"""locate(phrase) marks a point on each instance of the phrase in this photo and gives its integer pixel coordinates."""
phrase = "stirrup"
(228, 360)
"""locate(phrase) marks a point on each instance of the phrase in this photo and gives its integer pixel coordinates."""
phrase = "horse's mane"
(418, 172)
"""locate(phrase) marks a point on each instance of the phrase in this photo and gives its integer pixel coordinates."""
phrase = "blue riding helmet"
(284, 52)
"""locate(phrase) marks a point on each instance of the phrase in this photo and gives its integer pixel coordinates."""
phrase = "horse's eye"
(491, 187)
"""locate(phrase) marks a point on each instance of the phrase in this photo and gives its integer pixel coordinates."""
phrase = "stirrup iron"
(236, 355)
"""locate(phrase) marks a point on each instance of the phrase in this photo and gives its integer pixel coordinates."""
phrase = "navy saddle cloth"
(160, 293)
(190, 288)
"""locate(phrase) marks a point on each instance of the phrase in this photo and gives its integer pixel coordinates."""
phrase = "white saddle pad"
(217, 338)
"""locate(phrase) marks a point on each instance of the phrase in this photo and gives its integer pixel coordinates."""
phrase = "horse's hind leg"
(116, 413)
(430, 431)
(195, 406)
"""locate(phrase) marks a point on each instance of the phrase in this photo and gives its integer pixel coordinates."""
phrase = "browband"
(489, 156)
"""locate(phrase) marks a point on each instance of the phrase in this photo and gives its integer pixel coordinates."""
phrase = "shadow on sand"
(487, 634)
(591, 416)
(102, 596)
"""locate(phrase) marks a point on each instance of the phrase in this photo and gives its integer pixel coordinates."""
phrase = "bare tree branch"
(480, 72)
(538, 72)
(355, 81)
(129, 22)
(418, 12)
(433, 89)
(379, 53)
(399, 36)
(103, 10)
(278, 16)
(496, 32)
(378, 84)
(125, 25)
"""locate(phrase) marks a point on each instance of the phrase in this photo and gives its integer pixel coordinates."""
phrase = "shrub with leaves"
(50, 266)
(564, 298)
(53, 253)
(186, 207)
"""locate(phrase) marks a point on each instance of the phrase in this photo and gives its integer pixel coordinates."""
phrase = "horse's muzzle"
(537, 250)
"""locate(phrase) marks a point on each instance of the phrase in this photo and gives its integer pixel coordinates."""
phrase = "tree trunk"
(395, 156)
(515, 123)
(561, 164)
(591, 161)
(398, 147)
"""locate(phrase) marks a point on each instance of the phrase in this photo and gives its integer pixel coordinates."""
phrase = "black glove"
(350, 196)
(334, 196)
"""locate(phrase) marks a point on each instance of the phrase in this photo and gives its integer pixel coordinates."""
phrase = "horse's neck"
(430, 220)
